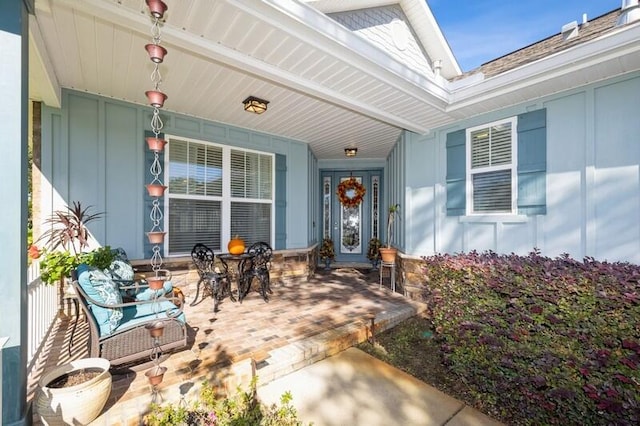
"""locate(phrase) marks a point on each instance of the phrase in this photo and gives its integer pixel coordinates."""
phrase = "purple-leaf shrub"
(546, 341)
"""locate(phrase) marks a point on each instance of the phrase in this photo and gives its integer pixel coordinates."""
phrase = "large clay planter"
(388, 255)
(74, 405)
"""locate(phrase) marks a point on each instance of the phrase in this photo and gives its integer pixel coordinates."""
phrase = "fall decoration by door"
(351, 192)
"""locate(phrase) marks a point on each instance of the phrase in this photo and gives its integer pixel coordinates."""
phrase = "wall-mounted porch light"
(350, 152)
(253, 104)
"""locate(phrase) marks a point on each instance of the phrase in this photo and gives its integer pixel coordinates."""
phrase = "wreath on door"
(350, 192)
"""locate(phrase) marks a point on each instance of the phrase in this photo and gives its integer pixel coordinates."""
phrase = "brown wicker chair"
(131, 340)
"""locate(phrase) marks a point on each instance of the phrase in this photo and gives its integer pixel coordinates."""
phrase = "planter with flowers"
(373, 252)
(64, 243)
(327, 252)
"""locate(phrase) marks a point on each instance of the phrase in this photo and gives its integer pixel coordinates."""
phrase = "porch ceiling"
(331, 91)
(327, 87)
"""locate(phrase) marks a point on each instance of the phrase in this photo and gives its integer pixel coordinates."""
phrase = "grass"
(527, 340)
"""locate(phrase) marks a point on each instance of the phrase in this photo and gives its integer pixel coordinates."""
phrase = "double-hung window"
(491, 168)
(215, 193)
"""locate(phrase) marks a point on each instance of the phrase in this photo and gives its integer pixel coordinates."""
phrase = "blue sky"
(481, 30)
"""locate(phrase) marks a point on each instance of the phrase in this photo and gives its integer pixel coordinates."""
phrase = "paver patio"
(303, 322)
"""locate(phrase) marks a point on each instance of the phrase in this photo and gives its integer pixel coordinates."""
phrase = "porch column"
(14, 94)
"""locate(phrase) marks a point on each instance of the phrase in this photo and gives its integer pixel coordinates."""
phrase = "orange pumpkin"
(236, 245)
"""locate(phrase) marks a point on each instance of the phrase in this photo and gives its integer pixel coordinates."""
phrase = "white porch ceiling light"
(255, 105)
(350, 152)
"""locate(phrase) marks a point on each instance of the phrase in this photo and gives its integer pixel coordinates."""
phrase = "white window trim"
(513, 166)
(226, 199)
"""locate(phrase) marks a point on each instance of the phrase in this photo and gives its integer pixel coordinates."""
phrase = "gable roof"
(420, 19)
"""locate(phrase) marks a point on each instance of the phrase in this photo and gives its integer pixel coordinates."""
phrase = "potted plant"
(74, 393)
(388, 253)
(373, 252)
(64, 244)
(327, 252)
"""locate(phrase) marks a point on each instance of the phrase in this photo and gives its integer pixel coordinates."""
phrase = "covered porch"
(306, 320)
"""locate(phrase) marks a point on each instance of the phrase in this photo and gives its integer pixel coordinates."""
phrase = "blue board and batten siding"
(94, 151)
(589, 165)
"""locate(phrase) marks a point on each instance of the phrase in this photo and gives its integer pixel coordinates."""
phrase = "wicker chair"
(257, 266)
(130, 340)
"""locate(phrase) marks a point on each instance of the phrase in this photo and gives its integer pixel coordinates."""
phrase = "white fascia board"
(41, 68)
(610, 46)
(332, 6)
(432, 38)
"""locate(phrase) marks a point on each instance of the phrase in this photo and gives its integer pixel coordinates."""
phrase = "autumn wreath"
(347, 186)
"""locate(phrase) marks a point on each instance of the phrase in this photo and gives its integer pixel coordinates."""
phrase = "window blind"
(251, 175)
(492, 191)
(251, 221)
(194, 221)
(195, 169)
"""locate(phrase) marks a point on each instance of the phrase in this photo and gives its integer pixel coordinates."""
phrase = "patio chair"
(257, 266)
(119, 331)
(134, 286)
(216, 282)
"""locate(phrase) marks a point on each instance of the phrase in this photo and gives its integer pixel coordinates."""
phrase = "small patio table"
(230, 269)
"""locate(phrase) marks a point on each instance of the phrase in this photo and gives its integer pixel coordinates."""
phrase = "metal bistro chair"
(216, 282)
(256, 266)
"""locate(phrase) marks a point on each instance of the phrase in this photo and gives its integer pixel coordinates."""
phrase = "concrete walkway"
(353, 388)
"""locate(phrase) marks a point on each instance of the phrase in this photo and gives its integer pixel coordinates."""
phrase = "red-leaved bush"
(542, 340)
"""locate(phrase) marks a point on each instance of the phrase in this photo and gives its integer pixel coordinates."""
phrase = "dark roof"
(556, 43)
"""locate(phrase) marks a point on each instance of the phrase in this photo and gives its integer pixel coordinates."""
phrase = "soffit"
(325, 87)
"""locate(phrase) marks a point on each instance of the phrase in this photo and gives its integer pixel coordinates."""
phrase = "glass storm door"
(350, 226)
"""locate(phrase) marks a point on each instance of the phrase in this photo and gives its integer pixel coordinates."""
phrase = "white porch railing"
(41, 314)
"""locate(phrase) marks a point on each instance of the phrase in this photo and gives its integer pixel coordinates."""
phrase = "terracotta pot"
(156, 190)
(156, 144)
(77, 404)
(157, 8)
(155, 375)
(156, 52)
(156, 98)
(155, 283)
(155, 329)
(156, 237)
(388, 255)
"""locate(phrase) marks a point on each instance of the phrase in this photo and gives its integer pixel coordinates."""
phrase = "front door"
(352, 222)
